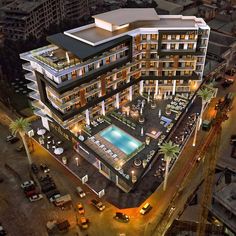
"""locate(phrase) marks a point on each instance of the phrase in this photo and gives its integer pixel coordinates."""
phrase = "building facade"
(24, 18)
(89, 71)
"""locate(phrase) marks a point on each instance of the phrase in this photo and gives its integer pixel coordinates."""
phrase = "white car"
(53, 198)
(80, 192)
(27, 184)
(36, 197)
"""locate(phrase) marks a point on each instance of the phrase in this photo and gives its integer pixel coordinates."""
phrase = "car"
(44, 168)
(84, 222)
(80, 209)
(12, 139)
(225, 84)
(99, 205)
(119, 216)
(233, 139)
(145, 209)
(2, 231)
(48, 187)
(80, 192)
(31, 193)
(27, 184)
(34, 168)
(29, 188)
(36, 197)
(52, 193)
(233, 152)
(45, 178)
(54, 197)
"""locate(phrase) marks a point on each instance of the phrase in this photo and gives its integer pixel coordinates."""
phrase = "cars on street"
(34, 168)
(31, 193)
(80, 192)
(12, 139)
(80, 209)
(36, 197)
(48, 187)
(44, 168)
(99, 205)
(27, 184)
(54, 197)
(119, 216)
(84, 222)
(145, 209)
(227, 82)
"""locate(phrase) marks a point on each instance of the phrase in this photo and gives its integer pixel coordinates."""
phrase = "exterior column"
(130, 93)
(141, 88)
(156, 88)
(174, 85)
(87, 117)
(117, 101)
(103, 108)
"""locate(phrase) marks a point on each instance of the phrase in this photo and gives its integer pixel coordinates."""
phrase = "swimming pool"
(120, 139)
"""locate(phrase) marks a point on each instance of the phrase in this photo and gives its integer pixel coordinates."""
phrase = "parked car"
(45, 178)
(34, 168)
(2, 231)
(48, 187)
(145, 209)
(44, 168)
(84, 222)
(31, 193)
(52, 193)
(227, 82)
(119, 216)
(54, 197)
(80, 209)
(99, 205)
(27, 184)
(29, 188)
(12, 139)
(80, 192)
(36, 197)
(233, 139)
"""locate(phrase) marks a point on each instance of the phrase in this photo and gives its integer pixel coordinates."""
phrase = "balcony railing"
(34, 95)
(30, 76)
(32, 86)
(27, 66)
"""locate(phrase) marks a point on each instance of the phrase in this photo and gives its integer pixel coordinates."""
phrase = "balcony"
(32, 86)
(37, 104)
(30, 76)
(27, 66)
(34, 95)
(39, 112)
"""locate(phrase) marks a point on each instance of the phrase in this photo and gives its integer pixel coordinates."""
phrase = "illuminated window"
(144, 37)
(190, 46)
(191, 36)
(144, 46)
(173, 36)
(164, 36)
(172, 46)
(182, 36)
(153, 36)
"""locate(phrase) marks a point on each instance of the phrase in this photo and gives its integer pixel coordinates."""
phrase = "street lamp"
(77, 161)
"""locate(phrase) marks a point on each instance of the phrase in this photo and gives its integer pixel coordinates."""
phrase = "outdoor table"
(54, 147)
(49, 142)
(49, 137)
(59, 142)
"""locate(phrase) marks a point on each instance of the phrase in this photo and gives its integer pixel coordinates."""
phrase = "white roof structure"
(124, 16)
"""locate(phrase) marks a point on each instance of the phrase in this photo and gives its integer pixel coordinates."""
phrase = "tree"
(21, 126)
(206, 96)
(169, 150)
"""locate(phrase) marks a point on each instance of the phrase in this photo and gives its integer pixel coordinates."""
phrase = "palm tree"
(169, 150)
(206, 96)
(21, 126)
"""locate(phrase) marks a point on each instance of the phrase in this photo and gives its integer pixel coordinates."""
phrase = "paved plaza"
(146, 185)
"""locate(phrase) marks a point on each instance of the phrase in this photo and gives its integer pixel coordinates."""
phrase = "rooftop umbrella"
(58, 151)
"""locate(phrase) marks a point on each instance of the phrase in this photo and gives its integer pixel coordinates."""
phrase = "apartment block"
(88, 72)
(23, 18)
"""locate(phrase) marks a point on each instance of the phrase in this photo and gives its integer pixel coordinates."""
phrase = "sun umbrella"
(58, 151)
(41, 131)
(81, 138)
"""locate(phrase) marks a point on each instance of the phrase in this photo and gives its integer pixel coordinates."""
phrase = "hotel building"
(87, 72)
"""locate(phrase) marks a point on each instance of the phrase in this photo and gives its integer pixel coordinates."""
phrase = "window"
(153, 36)
(191, 36)
(190, 45)
(163, 46)
(144, 37)
(164, 36)
(153, 46)
(172, 46)
(173, 36)
(181, 46)
(182, 36)
(186, 72)
(144, 46)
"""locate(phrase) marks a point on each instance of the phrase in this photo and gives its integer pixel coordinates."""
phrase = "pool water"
(120, 139)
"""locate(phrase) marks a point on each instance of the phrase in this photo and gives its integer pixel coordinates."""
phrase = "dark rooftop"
(80, 49)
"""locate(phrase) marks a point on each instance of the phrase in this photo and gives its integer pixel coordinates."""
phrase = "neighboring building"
(168, 8)
(90, 71)
(23, 18)
(208, 12)
(75, 9)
